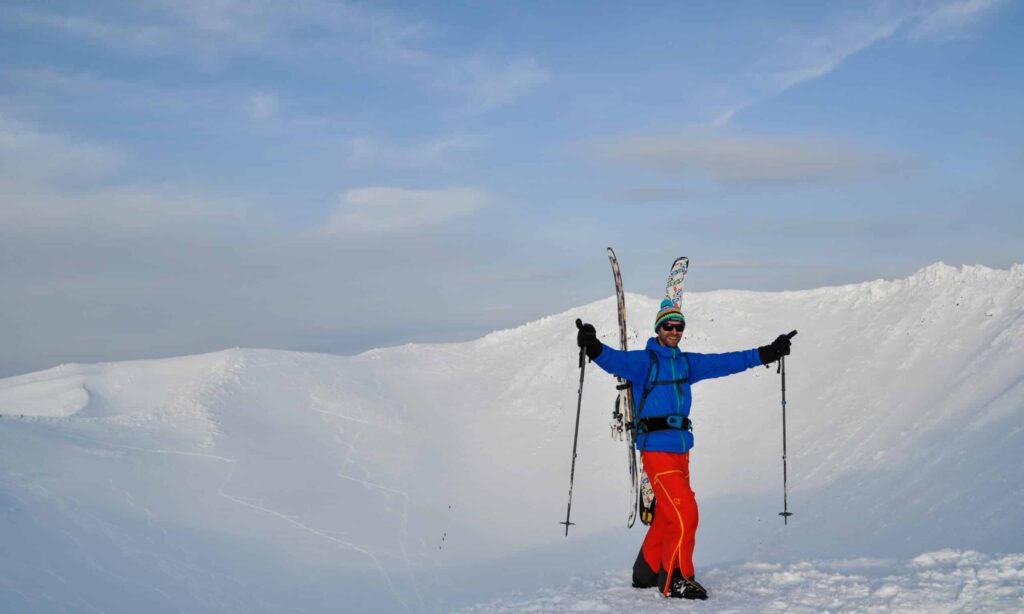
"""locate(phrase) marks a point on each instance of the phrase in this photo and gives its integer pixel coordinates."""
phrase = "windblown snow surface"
(433, 477)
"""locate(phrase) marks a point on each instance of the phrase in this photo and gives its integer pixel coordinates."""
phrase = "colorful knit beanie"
(668, 311)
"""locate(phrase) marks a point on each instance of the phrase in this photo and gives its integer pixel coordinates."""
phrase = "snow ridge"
(429, 477)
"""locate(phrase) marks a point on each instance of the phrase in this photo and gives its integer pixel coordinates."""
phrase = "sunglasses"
(670, 326)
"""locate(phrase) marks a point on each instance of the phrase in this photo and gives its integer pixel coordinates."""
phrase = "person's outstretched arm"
(631, 366)
(709, 366)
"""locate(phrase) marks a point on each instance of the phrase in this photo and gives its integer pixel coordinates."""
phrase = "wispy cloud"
(375, 211)
(487, 84)
(436, 153)
(115, 267)
(953, 19)
(801, 56)
(652, 195)
(113, 33)
(263, 105)
(224, 28)
(28, 155)
(213, 33)
(51, 85)
(746, 161)
(111, 210)
(48, 181)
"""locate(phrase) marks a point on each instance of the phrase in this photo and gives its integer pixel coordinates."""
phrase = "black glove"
(586, 338)
(779, 348)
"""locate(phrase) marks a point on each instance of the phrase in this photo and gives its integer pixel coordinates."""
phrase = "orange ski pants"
(669, 542)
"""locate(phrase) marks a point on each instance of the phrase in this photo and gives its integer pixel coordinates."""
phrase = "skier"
(661, 377)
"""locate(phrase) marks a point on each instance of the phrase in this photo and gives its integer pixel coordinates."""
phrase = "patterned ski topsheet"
(674, 291)
(641, 493)
(676, 277)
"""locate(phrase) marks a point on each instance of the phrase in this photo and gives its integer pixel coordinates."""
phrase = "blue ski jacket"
(669, 364)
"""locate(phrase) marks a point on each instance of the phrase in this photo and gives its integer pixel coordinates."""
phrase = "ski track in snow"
(347, 460)
(945, 581)
(232, 463)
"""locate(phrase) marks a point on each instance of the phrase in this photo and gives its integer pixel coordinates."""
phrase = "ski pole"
(785, 513)
(575, 435)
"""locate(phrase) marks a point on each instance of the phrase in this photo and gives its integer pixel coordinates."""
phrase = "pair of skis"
(641, 495)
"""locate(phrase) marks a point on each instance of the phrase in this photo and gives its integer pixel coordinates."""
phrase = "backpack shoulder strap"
(649, 382)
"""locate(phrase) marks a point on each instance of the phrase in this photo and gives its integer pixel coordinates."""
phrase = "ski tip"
(791, 335)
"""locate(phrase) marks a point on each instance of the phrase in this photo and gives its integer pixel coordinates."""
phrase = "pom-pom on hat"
(668, 311)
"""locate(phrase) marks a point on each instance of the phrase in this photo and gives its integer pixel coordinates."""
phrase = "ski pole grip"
(789, 336)
(579, 325)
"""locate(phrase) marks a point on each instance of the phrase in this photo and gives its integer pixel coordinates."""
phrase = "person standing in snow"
(661, 376)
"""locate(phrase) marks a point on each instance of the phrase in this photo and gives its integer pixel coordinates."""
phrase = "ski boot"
(687, 588)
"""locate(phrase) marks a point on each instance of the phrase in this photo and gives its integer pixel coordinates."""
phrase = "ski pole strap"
(664, 423)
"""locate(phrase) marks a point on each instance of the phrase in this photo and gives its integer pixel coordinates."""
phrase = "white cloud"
(209, 33)
(798, 57)
(110, 32)
(113, 209)
(653, 195)
(952, 18)
(263, 105)
(116, 270)
(436, 153)
(734, 160)
(386, 210)
(487, 84)
(193, 28)
(50, 85)
(803, 58)
(28, 155)
(51, 181)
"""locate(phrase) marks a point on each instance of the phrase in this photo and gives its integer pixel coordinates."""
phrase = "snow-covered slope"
(942, 581)
(429, 476)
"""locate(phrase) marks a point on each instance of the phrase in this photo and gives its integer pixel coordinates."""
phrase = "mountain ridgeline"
(425, 476)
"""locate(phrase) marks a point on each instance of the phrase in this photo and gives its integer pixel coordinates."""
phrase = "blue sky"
(183, 176)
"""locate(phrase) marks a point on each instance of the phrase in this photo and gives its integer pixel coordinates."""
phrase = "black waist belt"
(664, 423)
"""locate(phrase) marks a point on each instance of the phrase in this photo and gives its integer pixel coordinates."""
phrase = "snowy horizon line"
(935, 267)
